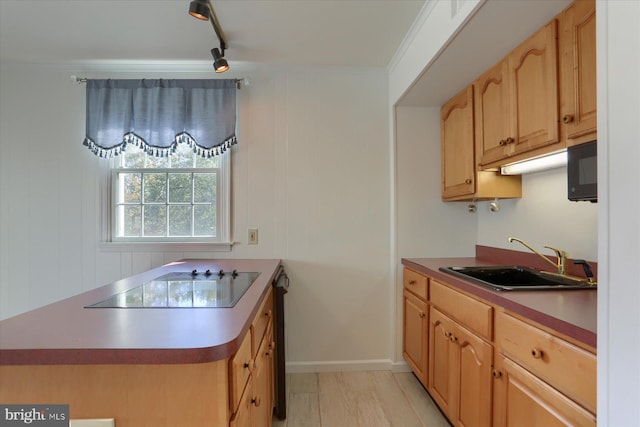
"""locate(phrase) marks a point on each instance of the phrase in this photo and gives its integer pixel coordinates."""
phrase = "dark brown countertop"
(67, 333)
(571, 312)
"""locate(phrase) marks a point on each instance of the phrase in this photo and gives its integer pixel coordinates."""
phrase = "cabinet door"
(578, 72)
(493, 113)
(263, 408)
(415, 335)
(473, 378)
(523, 400)
(533, 68)
(457, 145)
(242, 417)
(442, 360)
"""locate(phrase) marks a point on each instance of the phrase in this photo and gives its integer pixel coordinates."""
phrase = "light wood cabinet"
(484, 366)
(578, 72)
(415, 334)
(459, 377)
(517, 111)
(566, 367)
(461, 179)
(523, 400)
(459, 371)
(251, 372)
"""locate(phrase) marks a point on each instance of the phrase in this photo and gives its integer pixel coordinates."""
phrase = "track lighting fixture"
(220, 64)
(203, 9)
(199, 9)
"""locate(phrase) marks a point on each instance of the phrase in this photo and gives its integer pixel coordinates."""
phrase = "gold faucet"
(561, 255)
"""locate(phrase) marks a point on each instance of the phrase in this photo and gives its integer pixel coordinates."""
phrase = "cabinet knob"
(267, 313)
(467, 181)
(536, 353)
(496, 374)
(502, 142)
(412, 282)
(453, 339)
(567, 119)
(422, 315)
(509, 141)
(272, 345)
(256, 401)
(249, 365)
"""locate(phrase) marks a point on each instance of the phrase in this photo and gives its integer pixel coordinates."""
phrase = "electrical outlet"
(253, 236)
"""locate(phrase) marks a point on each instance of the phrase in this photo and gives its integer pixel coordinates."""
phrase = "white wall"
(543, 216)
(618, 39)
(311, 172)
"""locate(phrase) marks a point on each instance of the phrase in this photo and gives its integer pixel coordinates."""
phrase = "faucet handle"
(562, 258)
(559, 252)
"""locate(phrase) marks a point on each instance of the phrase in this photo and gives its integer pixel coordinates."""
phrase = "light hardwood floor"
(358, 399)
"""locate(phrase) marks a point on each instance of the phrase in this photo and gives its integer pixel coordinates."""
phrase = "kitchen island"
(142, 366)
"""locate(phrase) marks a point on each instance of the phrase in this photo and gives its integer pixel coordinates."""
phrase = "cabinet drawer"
(260, 322)
(474, 314)
(564, 366)
(415, 282)
(240, 368)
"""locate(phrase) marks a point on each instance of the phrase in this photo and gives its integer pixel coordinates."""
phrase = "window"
(180, 198)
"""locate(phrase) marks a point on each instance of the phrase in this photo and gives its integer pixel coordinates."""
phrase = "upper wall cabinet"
(578, 72)
(518, 101)
(461, 179)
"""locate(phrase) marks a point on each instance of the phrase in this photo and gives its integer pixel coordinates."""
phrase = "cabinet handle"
(567, 119)
(467, 181)
(256, 401)
(496, 374)
(536, 353)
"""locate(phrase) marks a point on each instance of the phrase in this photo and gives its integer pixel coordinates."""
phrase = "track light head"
(199, 9)
(220, 65)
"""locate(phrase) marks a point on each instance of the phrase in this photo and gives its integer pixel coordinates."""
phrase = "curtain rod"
(239, 82)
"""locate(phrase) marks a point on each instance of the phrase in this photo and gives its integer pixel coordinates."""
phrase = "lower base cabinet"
(521, 399)
(486, 367)
(459, 372)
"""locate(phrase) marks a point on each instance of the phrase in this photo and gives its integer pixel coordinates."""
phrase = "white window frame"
(221, 243)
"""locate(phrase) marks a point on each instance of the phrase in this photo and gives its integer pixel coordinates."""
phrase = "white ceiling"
(345, 33)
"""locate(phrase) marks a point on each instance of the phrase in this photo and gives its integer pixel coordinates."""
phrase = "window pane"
(204, 220)
(131, 217)
(179, 220)
(207, 162)
(180, 188)
(155, 220)
(183, 157)
(204, 187)
(133, 157)
(157, 162)
(131, 188)
(155, 188)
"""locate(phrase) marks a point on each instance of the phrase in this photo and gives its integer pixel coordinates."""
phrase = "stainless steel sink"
(517, 278)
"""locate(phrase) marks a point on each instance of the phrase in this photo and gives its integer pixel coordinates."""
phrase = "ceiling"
(327, 33)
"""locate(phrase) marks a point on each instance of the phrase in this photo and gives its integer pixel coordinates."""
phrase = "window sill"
(164, 247)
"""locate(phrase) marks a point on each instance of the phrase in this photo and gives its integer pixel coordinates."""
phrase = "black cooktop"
(184, 290)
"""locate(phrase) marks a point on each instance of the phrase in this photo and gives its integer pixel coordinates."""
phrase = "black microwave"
(582, 172)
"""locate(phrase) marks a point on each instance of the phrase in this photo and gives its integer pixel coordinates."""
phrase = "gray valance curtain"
(156, 115)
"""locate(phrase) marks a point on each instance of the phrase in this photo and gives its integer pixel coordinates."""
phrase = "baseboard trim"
(346, 366)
